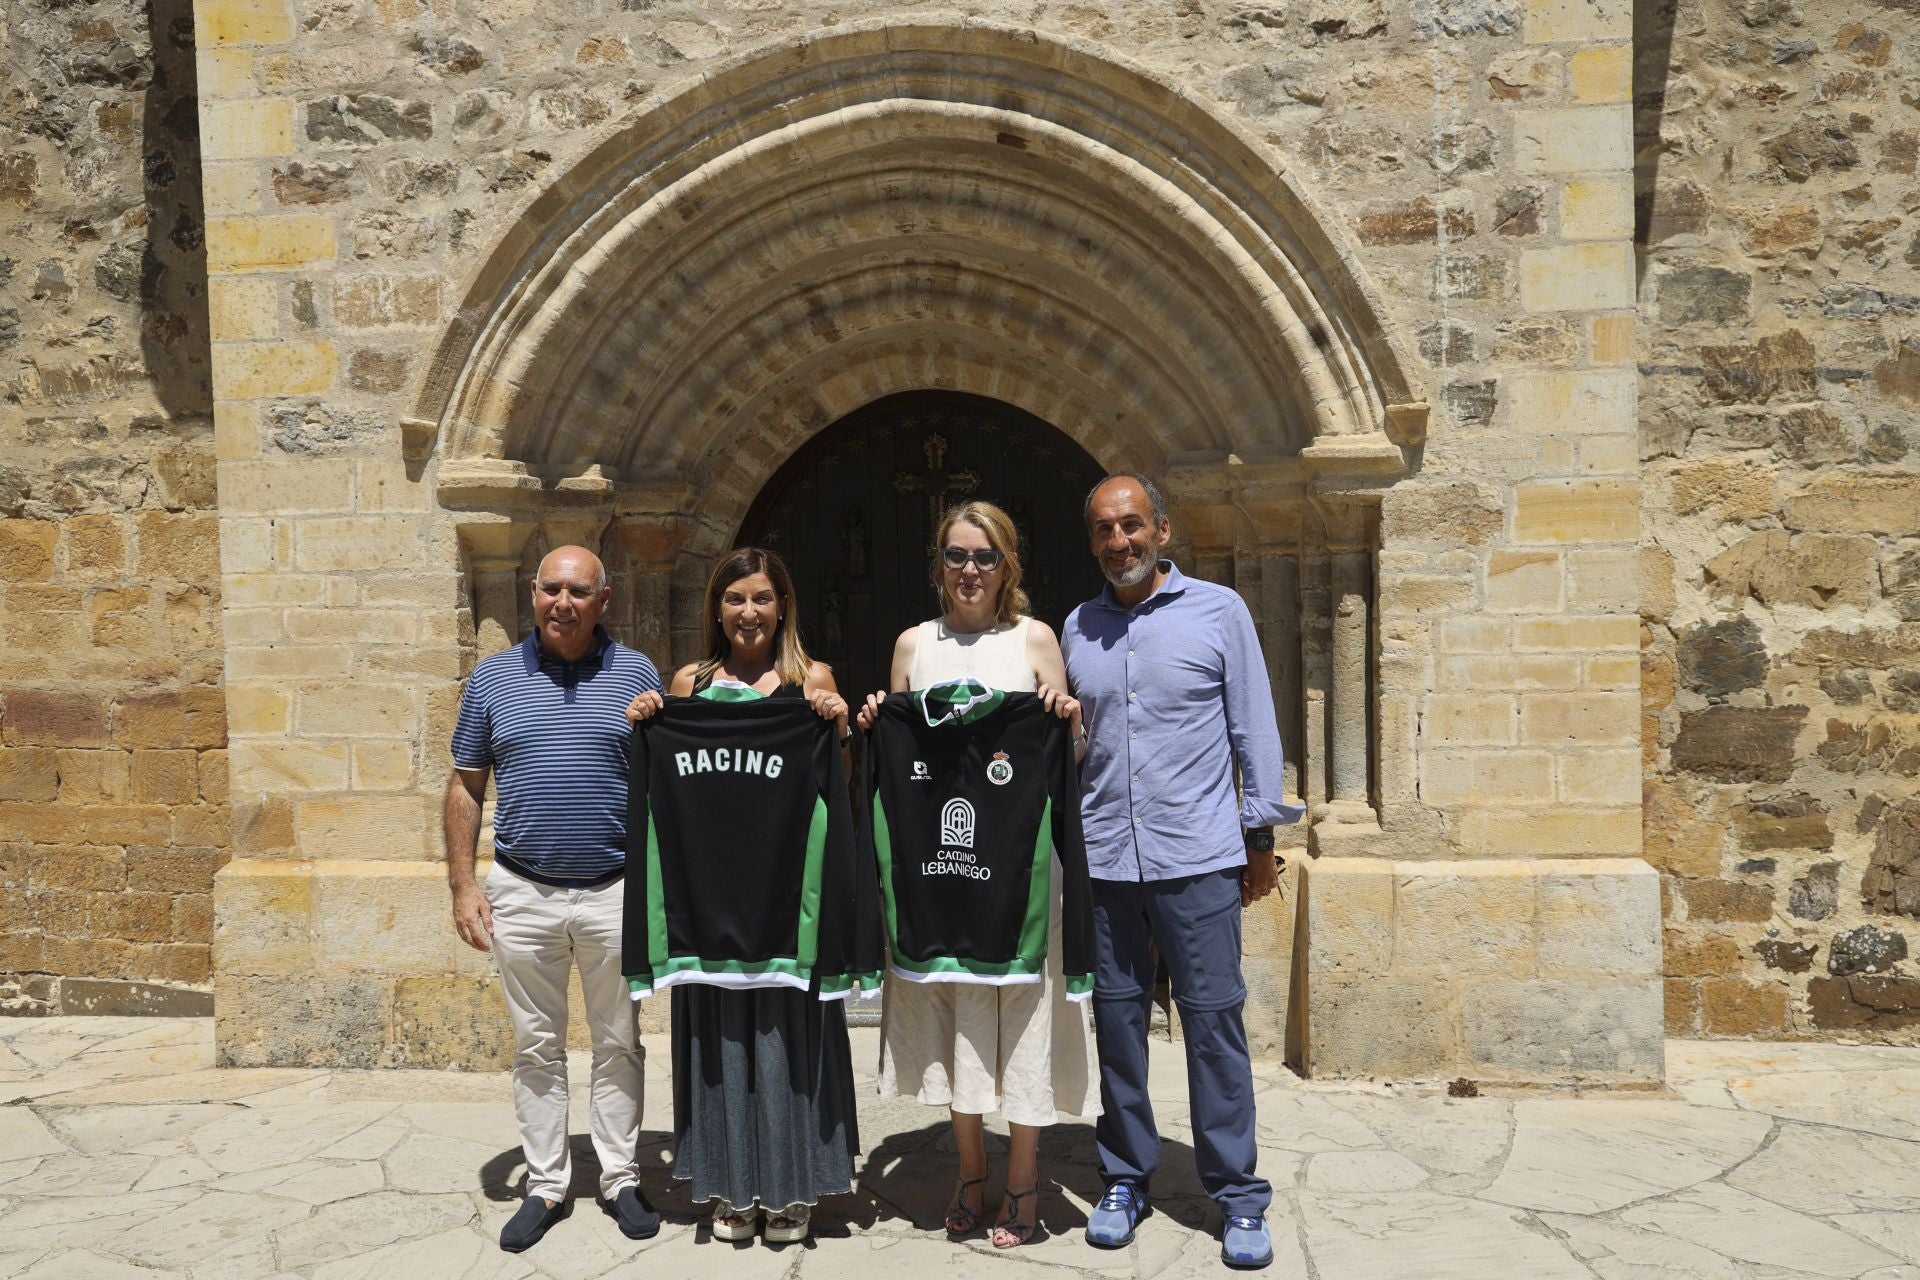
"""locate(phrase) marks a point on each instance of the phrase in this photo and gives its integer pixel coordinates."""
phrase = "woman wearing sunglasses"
(1021, 1050)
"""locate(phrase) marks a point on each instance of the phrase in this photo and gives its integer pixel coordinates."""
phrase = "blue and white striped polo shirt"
(555, 735)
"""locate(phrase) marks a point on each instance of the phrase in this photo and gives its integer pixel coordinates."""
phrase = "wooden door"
(853, 514)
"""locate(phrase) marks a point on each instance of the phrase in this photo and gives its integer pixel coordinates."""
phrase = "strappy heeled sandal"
(962, 1221)
(1016, 1232)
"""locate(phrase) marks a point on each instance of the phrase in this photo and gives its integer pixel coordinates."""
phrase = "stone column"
(1316, 666)
(1280, 592)
(643, 551)
(1348, 752)
(493, 545)
(1347, 813)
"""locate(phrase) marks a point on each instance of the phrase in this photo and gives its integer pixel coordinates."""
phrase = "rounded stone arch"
(950, 206)
(893, 207)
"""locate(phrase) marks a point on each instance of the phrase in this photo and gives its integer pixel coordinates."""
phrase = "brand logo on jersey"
(1000, 771)
(920, 772)
(956, 823)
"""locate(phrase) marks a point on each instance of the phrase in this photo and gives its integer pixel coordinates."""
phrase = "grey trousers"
(1195, 920)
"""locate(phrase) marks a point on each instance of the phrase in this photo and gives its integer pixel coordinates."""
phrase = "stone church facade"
(1541, 372)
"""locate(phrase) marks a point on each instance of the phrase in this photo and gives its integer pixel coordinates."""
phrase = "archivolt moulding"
(886, 207)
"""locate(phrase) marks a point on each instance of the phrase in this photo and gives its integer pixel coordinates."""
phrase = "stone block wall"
(1488, 162)
(1779, 214)
(365, 159)
(1489, 968)
(113, 773)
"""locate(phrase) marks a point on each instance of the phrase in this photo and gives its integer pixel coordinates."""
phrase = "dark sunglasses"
(957, 557)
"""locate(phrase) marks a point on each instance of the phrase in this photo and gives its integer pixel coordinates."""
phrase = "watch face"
(1260, 841)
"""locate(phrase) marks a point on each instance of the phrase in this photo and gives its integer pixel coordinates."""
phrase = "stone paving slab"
(125, 1155)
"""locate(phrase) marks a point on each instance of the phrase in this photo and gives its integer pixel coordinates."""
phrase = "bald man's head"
(580, 554)
(569, 594)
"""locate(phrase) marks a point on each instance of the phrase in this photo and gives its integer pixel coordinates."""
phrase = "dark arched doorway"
(853, 513)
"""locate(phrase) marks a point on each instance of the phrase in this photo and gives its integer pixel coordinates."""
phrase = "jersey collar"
(961, 701)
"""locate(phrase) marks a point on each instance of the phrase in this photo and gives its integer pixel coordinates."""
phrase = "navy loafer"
(534, 1218)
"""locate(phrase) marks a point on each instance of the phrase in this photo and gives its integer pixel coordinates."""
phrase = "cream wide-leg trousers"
(540, 932)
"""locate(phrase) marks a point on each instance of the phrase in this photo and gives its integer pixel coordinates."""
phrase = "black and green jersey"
(742, 861)
(973, 793)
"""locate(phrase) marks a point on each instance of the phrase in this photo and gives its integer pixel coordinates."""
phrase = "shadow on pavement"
(907, 1178)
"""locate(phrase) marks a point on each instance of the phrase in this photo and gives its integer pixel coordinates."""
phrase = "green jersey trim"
(807, 941)
(961, 701)
(1033, 930)
(730, 693)
(883, 855)
(656, 899)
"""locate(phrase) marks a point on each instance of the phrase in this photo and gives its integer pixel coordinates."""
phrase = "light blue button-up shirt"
(1173, 693)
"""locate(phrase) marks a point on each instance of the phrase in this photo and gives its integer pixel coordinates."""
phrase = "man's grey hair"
(1155, 499)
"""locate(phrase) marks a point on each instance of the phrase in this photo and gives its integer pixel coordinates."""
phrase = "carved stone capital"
(650, 542)
(494, 540)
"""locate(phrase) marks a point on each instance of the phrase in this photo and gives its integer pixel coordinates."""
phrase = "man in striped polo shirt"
(547, 718)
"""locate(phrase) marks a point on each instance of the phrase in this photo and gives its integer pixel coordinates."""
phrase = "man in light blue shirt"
(1174, 694)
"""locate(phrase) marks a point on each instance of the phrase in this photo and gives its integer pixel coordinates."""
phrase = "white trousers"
(540, 932)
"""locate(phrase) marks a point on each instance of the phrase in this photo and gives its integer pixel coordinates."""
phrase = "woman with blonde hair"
(763, 1110)
(1022, 1050)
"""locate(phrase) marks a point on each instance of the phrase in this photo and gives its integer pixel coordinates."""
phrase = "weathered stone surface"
(451, 1022)
(1469, 513)
(1777, 366)
(1796, 821)
(1870, 648)
(1817, 571)
(1433, 18)
(1703, 295)
(1899, 375)
(1679, 837)
(1865, 950)
(1727, 900)
(1416, 222)
(1814, 146)
(1891, 885)
(1816, 895)
(365, 119)
(1856, 502)
(1739, 744)
(1864, 1002)
(1722, 657)
(1788, 957)
(1883, 743)
(298, 183)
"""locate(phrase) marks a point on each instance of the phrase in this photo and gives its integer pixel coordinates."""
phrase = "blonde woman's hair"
(1011, 604)
(790, 659)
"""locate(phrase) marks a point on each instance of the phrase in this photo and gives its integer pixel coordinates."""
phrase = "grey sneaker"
(1111, 1224)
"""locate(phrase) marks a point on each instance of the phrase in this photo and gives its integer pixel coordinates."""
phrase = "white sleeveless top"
(996, 658)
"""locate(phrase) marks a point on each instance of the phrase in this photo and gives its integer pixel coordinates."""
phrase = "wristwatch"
(1259, 841)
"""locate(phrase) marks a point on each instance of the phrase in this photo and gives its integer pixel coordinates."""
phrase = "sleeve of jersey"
(635, 943)
(849, 954)
(1076, 892)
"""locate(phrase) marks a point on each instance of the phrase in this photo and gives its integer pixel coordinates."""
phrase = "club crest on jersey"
(1000, 769)
(956, 823)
